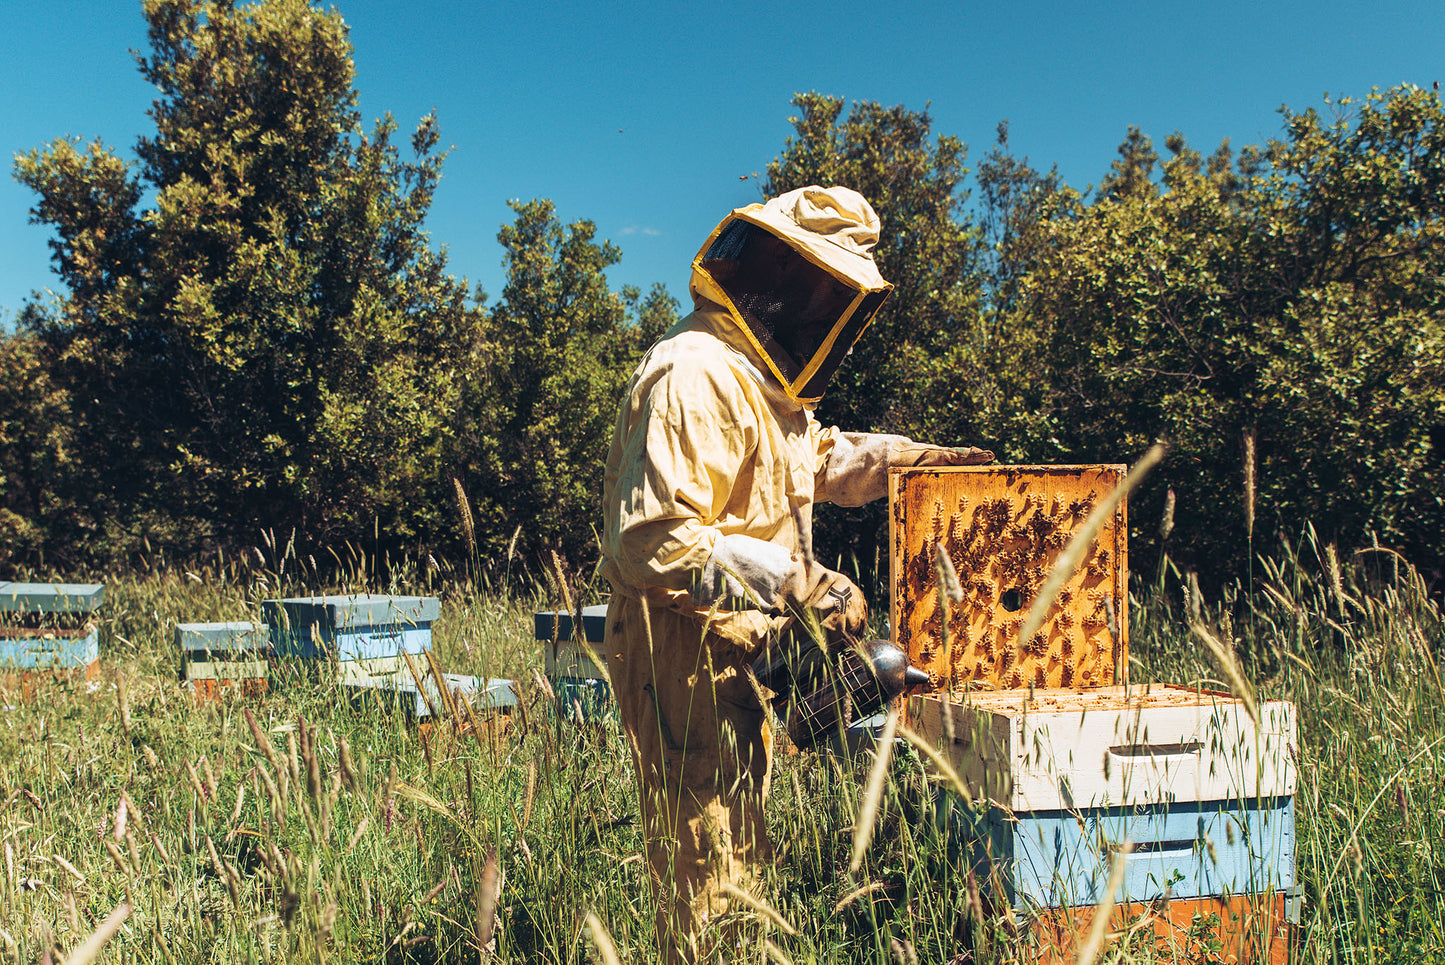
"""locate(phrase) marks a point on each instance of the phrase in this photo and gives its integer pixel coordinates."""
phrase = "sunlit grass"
(347, 835)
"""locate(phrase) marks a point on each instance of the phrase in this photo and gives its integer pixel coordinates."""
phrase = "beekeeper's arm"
(692, 433)
(853, 466)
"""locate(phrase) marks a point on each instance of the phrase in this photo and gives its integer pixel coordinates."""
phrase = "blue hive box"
(348, 627)
(48, 628)
(576, 670)
(1053, 859)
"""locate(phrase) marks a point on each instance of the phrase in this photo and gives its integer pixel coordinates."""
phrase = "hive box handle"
(1179, 749)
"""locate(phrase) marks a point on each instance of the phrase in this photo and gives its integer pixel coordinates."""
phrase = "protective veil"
(714, 467)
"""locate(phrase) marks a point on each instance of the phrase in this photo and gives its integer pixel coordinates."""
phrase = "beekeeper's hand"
(749, 573)
(829, 598)
(925, 456)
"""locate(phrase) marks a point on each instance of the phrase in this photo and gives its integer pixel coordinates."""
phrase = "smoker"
(828, 689)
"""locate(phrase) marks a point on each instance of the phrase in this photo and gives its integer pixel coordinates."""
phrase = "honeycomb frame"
(1003, 529)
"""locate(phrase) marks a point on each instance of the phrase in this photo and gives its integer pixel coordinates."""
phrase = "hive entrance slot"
(1152, 847)
(1157, 750)
(1011, 600)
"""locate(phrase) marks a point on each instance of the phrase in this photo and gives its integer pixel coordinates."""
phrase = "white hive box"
(1111, 747)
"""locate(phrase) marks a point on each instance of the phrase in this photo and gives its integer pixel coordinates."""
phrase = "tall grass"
(336, 831)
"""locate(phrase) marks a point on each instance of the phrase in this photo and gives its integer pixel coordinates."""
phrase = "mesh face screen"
(793, 307)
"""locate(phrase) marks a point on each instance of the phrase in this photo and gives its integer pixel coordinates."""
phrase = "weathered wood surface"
(1003, 529)
(1054, 859)
(1112, 746)
(32, 599)
(1243, 929)
(356, 627)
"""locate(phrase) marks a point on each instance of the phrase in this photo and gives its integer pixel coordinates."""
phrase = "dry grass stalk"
(1094, 940)
(560, 574)
(348, 769)
(1073, 554)
(439, 675)
(488, 889)
(776, 953)
(531, 794)
(420, 679)
(79, 878)
(1249, 468)
(464, 510)
(949, 592)
(89, 950)
(767, 911)
(940, 763)
(867, 816)
(356, 835)
(606, 948)
(1166, 523)
(857, 893)
(240, 803)
(1224, 657)
(1337, 586)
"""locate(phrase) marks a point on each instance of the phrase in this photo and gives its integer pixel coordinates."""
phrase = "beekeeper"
(715, 464)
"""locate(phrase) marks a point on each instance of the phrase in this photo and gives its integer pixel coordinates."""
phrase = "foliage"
(35, 450)
(270, 341)
(256, 332)
(930, 254)
(1294, 294)
(274, 344)
(540, 415)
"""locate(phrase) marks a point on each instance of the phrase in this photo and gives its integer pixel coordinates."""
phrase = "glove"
(925, 456)
(815, 592)
(765, 576)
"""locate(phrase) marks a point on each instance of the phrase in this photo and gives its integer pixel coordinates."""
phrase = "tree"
(926, 249)
(1295, 295)
(271, 343)
(539, 416)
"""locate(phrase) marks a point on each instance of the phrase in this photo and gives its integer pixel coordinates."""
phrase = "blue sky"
(648, 119)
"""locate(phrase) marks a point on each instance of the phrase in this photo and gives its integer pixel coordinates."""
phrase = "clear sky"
(649, 119)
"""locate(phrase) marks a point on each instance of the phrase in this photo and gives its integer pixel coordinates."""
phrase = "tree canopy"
(257, 332)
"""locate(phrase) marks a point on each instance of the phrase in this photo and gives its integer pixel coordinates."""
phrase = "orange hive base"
(211, 690)
(28, 682)
(1237, 930)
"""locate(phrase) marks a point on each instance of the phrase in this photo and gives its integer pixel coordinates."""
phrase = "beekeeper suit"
(708, 496)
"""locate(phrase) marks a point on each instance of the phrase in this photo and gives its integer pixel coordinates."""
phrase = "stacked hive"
(48, 632)
(576, 663)
(380, 644)
(222, 656)
(1069, 761)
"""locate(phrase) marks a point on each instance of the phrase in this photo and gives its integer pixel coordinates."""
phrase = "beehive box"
(219, 656)
(1237, 930)
(1114, 746)
(48, 631)
(1188, 849)
(1003, 528)
(576, 668)
(365, 634)
(420, 702)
